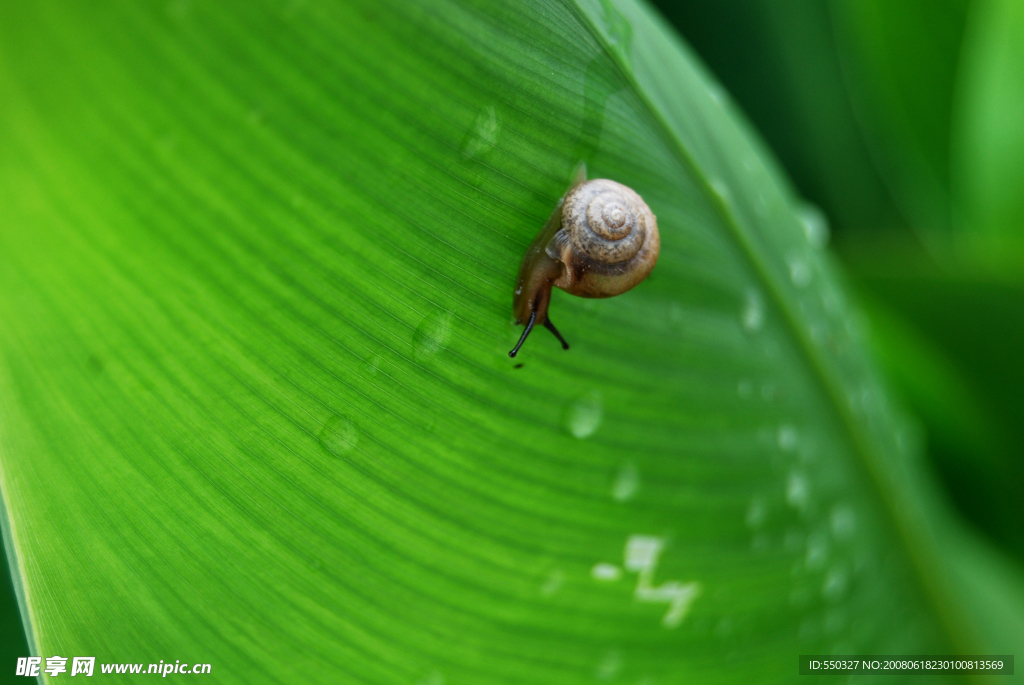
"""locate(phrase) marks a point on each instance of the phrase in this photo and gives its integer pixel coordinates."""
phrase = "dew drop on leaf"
(787, 438)
(817, 552)
(815, 225)
(584, 416)
(553, 583)
(797, 490)
(609, 666)
(836, 581)
(433, 678)
(605, 572)
(483, 135)
(752, 316)
(626, 483)
(799, 271)
(756, 513)
(432, 334)
(843, 521)
(339, 436)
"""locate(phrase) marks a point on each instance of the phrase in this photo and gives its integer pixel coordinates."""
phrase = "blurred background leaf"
(988, 136)
(899, 64)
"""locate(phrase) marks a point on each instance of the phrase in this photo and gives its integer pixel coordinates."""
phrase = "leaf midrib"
(918, 546)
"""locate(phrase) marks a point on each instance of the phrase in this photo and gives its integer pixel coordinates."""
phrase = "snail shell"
(601, 240)
(608, 241)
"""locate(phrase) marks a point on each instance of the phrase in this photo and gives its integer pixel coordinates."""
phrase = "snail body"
(601, 240)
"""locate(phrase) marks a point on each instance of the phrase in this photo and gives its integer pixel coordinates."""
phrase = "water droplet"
(817, 552)
(753, 311)
(745, 389)
(797, 490)
(619, 29)
(787, 438)
(793, 542)
(815, 225)
(626, 483)
(553, 583)
(836, 582)
(339, 436)
(610, 666)
(371, 366)
(843, 522)
(606, 573)
(432, 678)
(760, 543)
(757, 512)
(432, 334)
(484, 134)
(584, 416)
(799, 271)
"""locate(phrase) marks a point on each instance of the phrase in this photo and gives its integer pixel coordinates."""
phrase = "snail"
(600, 241)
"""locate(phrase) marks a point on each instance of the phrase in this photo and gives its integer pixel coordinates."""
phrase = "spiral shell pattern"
(607, 221)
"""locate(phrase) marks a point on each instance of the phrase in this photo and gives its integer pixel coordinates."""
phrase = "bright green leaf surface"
(256, 268)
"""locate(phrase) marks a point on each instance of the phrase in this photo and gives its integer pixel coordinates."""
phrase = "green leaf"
(900, 63)
(950, 340)
(988, 141)
(256, 270)
(816, 128)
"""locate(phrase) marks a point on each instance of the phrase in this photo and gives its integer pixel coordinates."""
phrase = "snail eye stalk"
(551, 327)
(529, 327)
(526, 332)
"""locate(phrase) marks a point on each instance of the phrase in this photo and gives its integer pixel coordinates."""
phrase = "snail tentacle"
(551, 327)
(526, 332)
